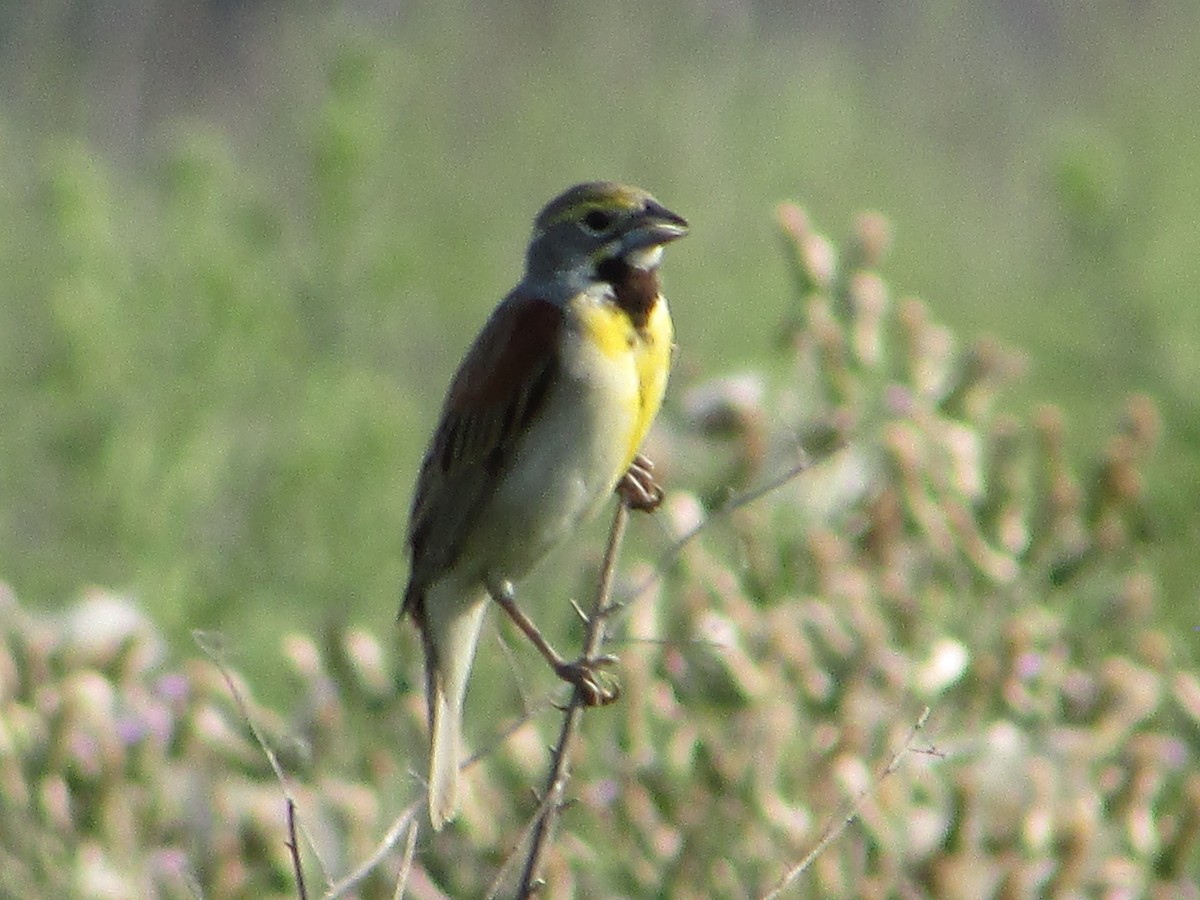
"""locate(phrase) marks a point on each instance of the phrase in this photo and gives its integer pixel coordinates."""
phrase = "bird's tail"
(450, 625)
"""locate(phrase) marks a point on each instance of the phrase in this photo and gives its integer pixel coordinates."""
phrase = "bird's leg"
(583, 673)
(637, 487)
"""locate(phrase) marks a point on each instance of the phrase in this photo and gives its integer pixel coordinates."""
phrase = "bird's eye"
(596, 221)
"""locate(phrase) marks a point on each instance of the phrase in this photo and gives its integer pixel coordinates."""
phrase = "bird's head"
(600, 222)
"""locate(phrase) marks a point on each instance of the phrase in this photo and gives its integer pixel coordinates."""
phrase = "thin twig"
(727, 508)
(410, 851)
(836, 828)
(294, 849)
(367, 866)
(209, 643)
(556, 783)
(501, 738)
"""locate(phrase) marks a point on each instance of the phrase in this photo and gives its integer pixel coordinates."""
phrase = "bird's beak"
(658, 226)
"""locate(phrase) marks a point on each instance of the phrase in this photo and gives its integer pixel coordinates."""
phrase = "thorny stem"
(556, 783)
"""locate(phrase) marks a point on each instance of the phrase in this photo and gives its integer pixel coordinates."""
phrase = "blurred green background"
(245, 243)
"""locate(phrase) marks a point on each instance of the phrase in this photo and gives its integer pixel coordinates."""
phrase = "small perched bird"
(541, 423)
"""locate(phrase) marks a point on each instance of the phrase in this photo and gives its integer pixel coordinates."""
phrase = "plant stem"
(556, 783)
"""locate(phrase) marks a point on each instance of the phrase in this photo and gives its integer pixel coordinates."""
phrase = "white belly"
(566, 466)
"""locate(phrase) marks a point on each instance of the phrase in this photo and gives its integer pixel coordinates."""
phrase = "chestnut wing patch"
(499, 389)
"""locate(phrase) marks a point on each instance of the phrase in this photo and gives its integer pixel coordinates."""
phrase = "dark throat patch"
(636, 289)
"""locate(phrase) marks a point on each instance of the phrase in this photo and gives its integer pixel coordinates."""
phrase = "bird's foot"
(595, 687)
(637, 487)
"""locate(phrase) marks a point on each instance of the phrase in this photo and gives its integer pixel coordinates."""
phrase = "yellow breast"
(647, 351)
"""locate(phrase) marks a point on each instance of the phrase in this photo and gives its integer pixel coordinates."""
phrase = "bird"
(541, 423)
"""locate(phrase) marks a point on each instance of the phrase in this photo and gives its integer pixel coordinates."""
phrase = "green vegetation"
(219, 366)
(935, 553)
(221, 352)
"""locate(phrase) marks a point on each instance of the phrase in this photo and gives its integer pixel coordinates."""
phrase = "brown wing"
(498, 390)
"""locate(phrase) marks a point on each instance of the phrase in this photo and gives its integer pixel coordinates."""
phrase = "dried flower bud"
(872, 238)
(942, 668)
(1142, 423)
(365, 657)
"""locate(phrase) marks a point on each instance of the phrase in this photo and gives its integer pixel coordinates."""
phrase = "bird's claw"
(595, 687)
(637, 487)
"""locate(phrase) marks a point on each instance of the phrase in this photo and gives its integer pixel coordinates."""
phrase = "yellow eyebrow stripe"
(617, 197)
